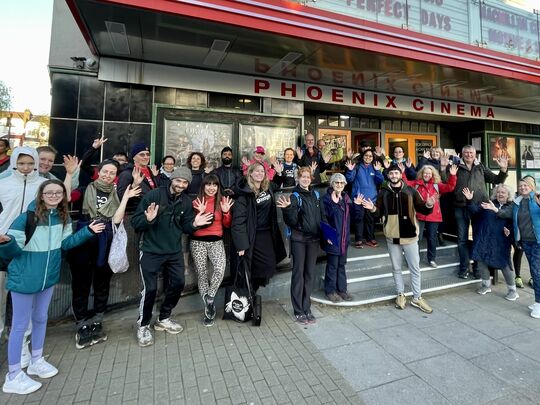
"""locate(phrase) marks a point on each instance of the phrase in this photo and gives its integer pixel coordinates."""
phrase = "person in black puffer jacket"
(303, 212)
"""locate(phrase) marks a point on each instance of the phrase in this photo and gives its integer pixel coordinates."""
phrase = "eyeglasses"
(53, 194)
(339, 182)
(143, 154)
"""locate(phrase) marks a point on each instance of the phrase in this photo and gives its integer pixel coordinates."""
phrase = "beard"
(226, 161)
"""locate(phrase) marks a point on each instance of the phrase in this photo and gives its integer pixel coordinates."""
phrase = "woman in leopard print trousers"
(207, 243)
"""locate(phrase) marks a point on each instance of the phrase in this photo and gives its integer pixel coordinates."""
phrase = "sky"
(25, 30)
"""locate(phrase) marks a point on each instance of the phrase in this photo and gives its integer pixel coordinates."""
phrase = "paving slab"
(489, 323)
(375, 317)
(332, 332)
(526, 343)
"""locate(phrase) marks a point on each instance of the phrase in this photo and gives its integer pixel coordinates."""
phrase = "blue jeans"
(335, 278)
(532, 253)
(431, 228)
(463, 220)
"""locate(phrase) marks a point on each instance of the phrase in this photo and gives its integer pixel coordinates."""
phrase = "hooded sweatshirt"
(18, 190)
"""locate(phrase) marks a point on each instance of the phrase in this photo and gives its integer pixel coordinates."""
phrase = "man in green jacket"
(161, 218)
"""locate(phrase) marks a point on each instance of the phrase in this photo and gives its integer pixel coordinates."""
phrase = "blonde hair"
(508, 190)
(436, 175)
(436, 149)
(265, 184)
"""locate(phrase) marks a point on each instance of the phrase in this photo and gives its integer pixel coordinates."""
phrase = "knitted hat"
(530, 182)
(181, 173)
(259, 149)
(138, 148)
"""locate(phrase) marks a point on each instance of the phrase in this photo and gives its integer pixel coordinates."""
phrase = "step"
(388, 292)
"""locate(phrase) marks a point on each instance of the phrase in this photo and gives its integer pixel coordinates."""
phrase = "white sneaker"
(168, 325)
(535, 313)
(42, 369)
(25, 354)
(21, 384)
(531, 307)
(144, 336)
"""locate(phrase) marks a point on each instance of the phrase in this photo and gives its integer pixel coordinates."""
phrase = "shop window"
(62, 136)
(236, 102)
(87, 131)
(140, 106)
(91, 99)
(65, 94)
(355, 122)
(406, 126)
(122, 136)
(117, 102)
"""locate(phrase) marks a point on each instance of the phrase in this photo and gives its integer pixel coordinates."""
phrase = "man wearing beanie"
(137, 173)
(228, 175)
(398, 203)
(161, 218)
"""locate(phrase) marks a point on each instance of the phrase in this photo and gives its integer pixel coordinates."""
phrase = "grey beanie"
(182, 173)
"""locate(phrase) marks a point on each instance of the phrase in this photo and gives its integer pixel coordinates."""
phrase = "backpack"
(288, 231)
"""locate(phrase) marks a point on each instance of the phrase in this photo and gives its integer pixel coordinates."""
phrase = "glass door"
(413, 145)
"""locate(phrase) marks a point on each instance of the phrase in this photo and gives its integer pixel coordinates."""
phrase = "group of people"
(172, 212)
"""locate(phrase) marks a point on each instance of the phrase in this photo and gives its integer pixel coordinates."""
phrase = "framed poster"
(274, 139)
(530, 153)
(502, 146)
(184, 137)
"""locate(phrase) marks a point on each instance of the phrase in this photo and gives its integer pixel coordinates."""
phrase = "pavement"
(471, 350)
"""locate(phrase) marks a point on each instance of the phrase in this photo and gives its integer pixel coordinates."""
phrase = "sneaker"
(83, 337)
(208, 321)
(210, 308)
(519, 282)
(301, 319)
(535, 313)
(21, 384)
(464, 275)
(42, 369)
(144, 336)
(26, 356)
(531, 307)
(168, 325)
(333, 297)
(358, 245)
(422, 305)
(512, 295)
(345, 296)
(433, 264)
(98, 335)
(372, 243)
(401, 301)
(484, 290)
(311, 318)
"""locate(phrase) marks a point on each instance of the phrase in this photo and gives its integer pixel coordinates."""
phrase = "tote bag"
(238, 302)
(118, 259)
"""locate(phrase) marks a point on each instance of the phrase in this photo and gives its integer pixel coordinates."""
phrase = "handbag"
(238, 300)
(118, 259)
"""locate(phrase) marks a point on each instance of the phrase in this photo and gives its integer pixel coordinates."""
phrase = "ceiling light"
(245, 100)
(344, 117)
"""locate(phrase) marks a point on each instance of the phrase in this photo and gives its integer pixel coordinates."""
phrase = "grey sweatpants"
(506, 271)
(412, 255)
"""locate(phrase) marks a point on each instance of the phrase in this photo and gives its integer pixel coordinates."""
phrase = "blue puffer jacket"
(490, 245)
(338, 216)
(35, 266)
(365, 180)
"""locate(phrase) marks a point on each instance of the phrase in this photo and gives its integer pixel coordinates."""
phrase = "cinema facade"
(199, 75)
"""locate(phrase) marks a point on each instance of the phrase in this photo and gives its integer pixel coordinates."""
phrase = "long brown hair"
(41, 209)
(211, 179)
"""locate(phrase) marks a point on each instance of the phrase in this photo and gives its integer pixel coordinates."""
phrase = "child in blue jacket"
(32, 273)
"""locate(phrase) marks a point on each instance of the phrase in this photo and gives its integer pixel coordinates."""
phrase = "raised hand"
(273, 160)
(299, 152)
(71, 163)
(377, 165)
(226, 203)
(327, 156)
(430, 202)
(200, 205)
(4, 238)
(283, 201)
(151, 212)
(368, 204)
(380, 151)
(349, 154)
(401, 167)
(453, 170)
(408, 162)
(502, 161)
(278, 167)
(386, 163)
(96, 227)
(349, 164)
(245, 161)
(468, 193)
(203, 218)
(98, 142)
(154, 170)
(427, 154)
(132, 191)
(138, 176)
(445, 160)
(314, 166)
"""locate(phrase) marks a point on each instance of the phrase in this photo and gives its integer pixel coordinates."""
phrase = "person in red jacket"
(207, 242)
(428, 183)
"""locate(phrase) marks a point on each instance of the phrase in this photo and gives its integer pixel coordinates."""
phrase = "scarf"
(90, 197)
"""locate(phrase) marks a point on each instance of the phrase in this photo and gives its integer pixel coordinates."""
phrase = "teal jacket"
(534, 211)
(35, 266)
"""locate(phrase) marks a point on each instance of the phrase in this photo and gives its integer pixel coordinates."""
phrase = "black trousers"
(150, 264)
(304, 256)
(87, 275)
